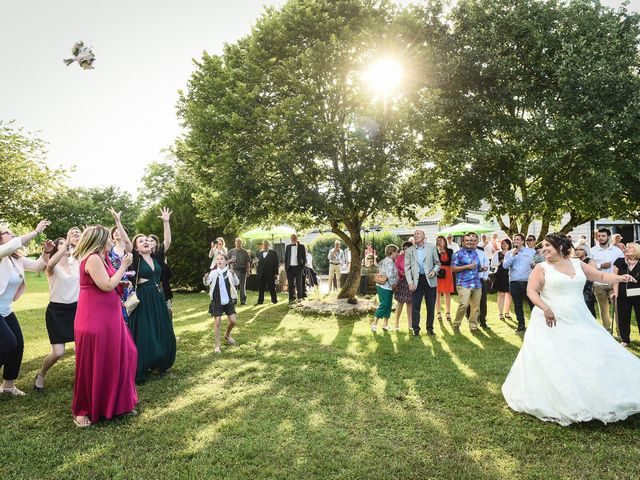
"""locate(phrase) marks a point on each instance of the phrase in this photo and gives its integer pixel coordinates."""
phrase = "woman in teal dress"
(150, 323)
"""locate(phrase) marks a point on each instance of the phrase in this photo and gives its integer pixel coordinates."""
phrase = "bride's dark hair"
(560, 242)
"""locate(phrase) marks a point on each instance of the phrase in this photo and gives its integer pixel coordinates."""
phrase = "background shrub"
(321, 246)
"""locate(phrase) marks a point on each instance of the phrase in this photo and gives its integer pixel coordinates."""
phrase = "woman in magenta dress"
(106, 357)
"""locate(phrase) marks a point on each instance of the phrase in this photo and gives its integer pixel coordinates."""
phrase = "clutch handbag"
(633, 291)
(131, 302)
(380, 279)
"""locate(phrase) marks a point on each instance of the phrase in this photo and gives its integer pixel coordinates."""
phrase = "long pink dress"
(106, 357)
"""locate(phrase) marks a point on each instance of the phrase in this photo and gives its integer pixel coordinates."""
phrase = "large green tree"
(79, 207)
(25, 179)
(282, 126)
(533, 107)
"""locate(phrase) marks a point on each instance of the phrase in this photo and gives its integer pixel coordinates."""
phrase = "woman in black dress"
(158, 251)
(502, 279)
(628, 295)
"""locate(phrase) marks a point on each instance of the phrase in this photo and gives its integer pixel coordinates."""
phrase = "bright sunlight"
(384, 76)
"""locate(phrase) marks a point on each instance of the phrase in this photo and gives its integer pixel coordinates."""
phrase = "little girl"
(222, 284)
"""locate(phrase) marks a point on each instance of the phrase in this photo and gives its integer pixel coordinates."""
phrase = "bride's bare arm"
(603, 277)
(534, 287)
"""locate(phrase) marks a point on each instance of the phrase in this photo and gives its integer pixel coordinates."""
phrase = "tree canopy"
(283, 127)
(79, 207)
(25, 179)
(533, 108)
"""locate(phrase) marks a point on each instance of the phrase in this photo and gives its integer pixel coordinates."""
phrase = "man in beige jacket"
(421, 265)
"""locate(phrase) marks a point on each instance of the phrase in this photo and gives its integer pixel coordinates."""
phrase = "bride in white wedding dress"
(570, 369)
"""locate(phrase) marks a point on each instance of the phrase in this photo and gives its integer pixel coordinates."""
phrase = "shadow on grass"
(313, 398)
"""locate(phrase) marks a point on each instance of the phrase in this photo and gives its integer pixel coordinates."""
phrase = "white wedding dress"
(575, 371)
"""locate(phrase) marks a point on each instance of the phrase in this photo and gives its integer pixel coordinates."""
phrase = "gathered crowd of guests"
(109, 295)
(420, 270)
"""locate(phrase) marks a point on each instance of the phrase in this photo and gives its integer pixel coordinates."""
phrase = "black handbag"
(491, 283)
(442, 273)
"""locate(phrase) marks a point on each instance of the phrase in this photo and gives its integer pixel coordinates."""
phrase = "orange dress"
(445, 284)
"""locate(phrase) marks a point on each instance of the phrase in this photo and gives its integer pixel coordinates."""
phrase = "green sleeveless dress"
(151, 325)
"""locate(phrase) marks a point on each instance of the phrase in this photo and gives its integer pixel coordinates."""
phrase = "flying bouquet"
(81, 54)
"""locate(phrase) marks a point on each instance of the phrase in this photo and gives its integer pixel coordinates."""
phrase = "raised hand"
(165, 214)
(47, 246)
(42, 225)
(126, 260)
(116, 215)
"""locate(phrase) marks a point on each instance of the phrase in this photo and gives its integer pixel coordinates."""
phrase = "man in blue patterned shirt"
(465, 263)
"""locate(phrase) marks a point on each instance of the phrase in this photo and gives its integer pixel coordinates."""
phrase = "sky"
(110, 122)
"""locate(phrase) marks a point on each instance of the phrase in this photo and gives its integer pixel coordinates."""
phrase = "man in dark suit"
(268, 263)
(295, 258)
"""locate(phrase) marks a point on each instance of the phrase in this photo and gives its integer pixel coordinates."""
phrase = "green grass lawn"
(316, 397)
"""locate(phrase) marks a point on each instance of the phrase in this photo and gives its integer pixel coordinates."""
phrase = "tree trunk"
(354, 242)
(510, 229)
(544, 229)
(573, 222)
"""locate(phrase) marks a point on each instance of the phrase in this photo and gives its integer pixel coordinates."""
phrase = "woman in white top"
(13, 263)
(63, 275)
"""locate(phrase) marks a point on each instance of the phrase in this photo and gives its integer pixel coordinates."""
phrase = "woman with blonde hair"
(63, 276)
(106, 356)
(13, 263)
(627, 295)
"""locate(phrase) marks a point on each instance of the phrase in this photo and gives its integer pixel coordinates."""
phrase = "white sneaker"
(374, 328)
(387, 329)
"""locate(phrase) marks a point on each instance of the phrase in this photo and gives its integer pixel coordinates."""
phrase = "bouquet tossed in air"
(81, 54)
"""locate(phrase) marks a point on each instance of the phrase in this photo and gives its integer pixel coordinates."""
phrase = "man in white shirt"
(604, 254)
(336, 258)
(295, 257)
(451, 244)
